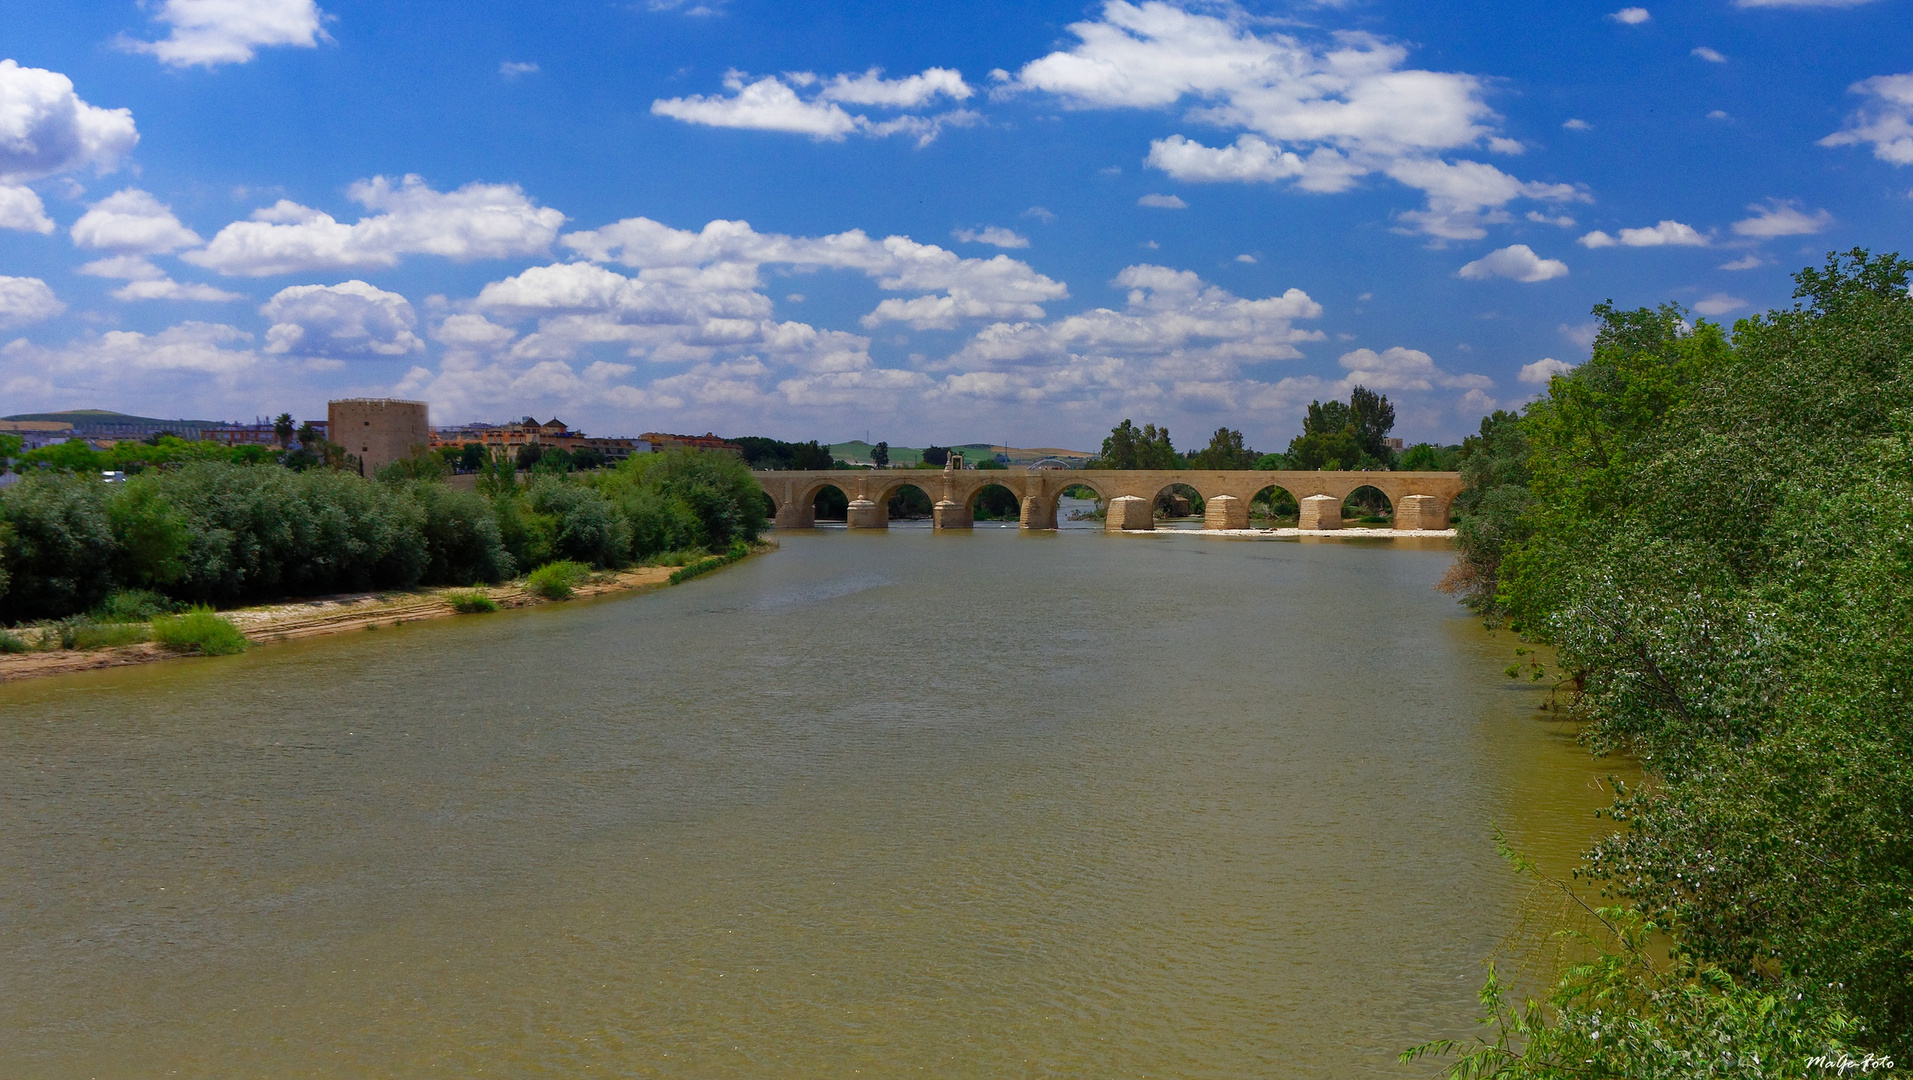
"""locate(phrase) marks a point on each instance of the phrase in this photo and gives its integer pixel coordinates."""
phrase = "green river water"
(886, 805)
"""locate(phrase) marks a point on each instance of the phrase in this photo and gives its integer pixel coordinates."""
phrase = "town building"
(662, 442)
(552, 434)
(378, 431)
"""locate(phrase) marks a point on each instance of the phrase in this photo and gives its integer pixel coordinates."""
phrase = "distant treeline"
(1336, 435)
(221, 533)
(1714, 529)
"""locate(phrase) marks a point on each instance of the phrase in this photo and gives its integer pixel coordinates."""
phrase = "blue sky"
(929, 222)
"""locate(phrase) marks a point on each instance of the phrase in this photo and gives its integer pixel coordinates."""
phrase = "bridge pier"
(1420, 512)
(864, 514)
(1321, 512)
(952, 515)
(1225, 512)
(1037, 514)
(1130, 513)
(795, 515)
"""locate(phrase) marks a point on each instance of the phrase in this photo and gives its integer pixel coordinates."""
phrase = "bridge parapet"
(1421, 499)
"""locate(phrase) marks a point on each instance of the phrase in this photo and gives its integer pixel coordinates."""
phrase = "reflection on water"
(965, 805)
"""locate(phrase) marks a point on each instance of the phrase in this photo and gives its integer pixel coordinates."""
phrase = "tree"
(9, 449)
(1130, 447)
(1344, 435)
(528, 456)
(1373, 418)
(880, 455)
(1225, 451)
(936, 455)
(471, 457)
(282, 429)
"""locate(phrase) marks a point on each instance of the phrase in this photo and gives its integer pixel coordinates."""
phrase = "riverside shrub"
(201, 630)
(1713, 533)
(558, 580)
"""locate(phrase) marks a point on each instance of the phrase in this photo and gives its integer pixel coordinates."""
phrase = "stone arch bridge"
(1421, 499)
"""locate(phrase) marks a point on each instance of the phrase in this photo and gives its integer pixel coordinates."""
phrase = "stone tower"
(378, 431)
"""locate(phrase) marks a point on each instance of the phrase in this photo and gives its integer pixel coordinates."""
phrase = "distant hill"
(77, 417)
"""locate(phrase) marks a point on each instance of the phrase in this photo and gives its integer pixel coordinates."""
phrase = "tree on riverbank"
(1711, 529)
(215, 532)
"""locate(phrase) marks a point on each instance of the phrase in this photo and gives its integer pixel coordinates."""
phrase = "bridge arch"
(1370, 503)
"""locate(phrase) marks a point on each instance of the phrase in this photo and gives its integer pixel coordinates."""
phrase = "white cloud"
(871, 88)
(21, 209)
(165, 288)
(1712, 56)
(1562, 221)
(46, 129)
(1246, 258)
(132, 222)
(992, 234)
(772, 103)
(1719, 114)
(1719, 304)
(1885, 121)
(195, 347)
(25, 300)
(1403, 369)
(477, 221)
(1748, 261)
(1779, 218)
(211, 32)
(1518, 262)
(511, 69)
(722, 260)
(1162, 202)
(1320, 117)
(1667, 233)
(351, 319)
(1577, 124)
(1542, 370)
(1631, 16)
(1039, 213)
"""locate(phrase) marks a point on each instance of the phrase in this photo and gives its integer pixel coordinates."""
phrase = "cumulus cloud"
(1163, 202)
(1631, 16)
(994, 235)
(46, 129)
(1518, 262)
(1885, 121)
(1781, 218)
(1539, 372)
(1667, 233)
(511, 69)
(477, 221)
(190, 347)
(689, 270)
(351, 319)
(25, 300)
(1577, 124)
(132, 222)
(773, 103)
(1712, 56)
(1749, 261)
(1319, 116)
(1400, 369)
(145, 281)
(1719, 304)
(21, 209)
(207, 33)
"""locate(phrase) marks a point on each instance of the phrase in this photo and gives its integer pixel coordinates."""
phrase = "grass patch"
(705, 566)
(471, 602)
(10, 643)
(681, 557)
(132, 606)
(558, 580)
(199, 628)
(108, 635)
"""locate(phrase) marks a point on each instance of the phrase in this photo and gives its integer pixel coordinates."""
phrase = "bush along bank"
(1712, 528)
(221, 534)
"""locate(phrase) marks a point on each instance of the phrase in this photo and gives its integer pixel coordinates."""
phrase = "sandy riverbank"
(293, 619)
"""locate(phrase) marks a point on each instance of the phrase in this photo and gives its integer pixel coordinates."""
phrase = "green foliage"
(1427, 457)
(201, 630)
(73, 455)
(1130, 447)
(880, 455)
(711, 496)
(936, 456)
(12, 643)
(773, 454)
(1272, 462)
(1714, 536)
(705, 566)
(990, 463)
(132, 605)
(1345, 435)
(585, 526)
(463, 542)
(471, 602)
(423, 465)
(153, 535)
(1225, 451)
(471, 457)
(998, 503)
(107, 635)
(497, 475)
(62, 554)
(9, 449)
(909, 502)
(558, 580)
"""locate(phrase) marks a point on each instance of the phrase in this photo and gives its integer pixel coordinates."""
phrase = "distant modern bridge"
(1421, 499)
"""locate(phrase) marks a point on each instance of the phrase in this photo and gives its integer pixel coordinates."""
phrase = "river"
(905, 804)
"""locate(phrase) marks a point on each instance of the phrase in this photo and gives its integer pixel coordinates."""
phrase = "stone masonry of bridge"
(1421, 499)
